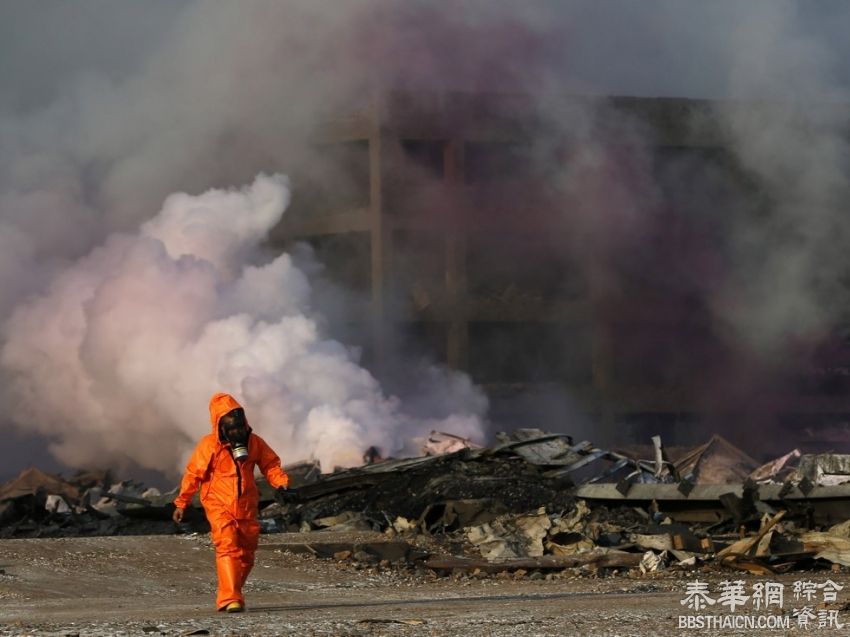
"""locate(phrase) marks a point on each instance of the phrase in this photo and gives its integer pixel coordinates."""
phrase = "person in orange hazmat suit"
(222, 466)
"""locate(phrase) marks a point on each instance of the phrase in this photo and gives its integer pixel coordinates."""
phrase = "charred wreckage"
(534, 502)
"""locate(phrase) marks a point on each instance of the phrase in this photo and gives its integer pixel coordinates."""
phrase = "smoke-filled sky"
(124, 305)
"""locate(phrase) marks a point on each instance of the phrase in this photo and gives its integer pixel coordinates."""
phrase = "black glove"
(285, 496)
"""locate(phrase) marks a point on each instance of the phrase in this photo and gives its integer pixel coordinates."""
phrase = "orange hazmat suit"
(230, 498)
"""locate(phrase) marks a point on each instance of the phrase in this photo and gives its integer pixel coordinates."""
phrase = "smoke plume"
(131, 340)
(118, 321)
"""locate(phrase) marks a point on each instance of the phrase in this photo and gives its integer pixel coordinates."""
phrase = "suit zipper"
(238, 479)
(238, 475)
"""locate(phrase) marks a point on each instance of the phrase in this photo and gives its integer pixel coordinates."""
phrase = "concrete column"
(602, 348)
(457, 345)
(379, 233)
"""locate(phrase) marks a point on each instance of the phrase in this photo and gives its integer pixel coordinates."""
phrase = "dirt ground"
(164, 585)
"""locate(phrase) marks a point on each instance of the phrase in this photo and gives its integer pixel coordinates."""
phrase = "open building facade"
(563, 255)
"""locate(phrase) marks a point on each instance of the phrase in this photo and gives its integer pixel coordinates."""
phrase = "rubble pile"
(440, 493)
(36, 504)
(533, 501)
(538, 501)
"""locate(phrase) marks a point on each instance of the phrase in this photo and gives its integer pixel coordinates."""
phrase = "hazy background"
(109, 107)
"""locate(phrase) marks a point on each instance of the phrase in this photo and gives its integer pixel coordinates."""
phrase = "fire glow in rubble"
(534, 501)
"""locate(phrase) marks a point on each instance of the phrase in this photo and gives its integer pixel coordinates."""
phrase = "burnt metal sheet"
(32, 480)
(540, 448)
(716, 462)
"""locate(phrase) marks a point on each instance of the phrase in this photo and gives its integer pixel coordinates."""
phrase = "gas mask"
(233, 428)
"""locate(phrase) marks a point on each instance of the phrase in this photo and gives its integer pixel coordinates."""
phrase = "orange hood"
(220, 404)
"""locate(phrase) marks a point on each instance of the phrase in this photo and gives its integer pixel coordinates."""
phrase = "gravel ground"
(164, 585)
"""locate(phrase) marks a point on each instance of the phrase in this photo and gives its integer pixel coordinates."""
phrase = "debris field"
(535, 502)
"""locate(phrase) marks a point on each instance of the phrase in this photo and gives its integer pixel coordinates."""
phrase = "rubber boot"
(229, 582)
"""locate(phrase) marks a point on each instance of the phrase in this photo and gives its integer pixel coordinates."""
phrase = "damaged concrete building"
(497, 235)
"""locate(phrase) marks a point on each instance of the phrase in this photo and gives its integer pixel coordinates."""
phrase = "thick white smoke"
(108, 107)
(120, 356)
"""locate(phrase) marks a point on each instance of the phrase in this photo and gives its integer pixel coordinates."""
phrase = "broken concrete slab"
(705, 492)
(827, 504)
(825, 469)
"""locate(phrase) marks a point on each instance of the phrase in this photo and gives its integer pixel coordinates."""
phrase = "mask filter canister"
(240, 451)
(234, 429)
